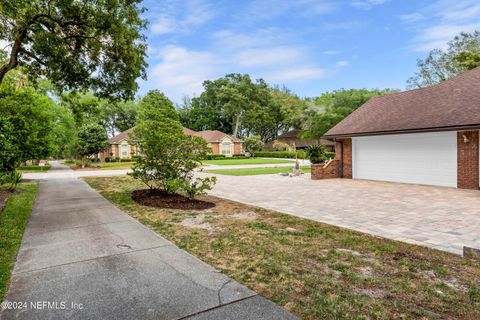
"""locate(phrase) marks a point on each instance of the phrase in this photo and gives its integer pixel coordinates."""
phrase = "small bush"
(126, 160)
(198, 186)
(11, 179)
(108, 159)
(316, 153)
(330, 155)
(135, 158)
(215, 156)
(279, 154)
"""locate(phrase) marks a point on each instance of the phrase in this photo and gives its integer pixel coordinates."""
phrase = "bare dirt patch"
(198, 221)
(159, 199)
(248, 215)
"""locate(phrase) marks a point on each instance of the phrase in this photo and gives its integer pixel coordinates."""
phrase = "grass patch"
(13, 221)
(233, 162)
(103, 166)
(315, 270)
(256, 171)
(114, 165)
(33, 168)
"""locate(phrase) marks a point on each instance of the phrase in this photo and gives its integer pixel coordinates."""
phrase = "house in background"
(294, 136)
(424, 136)
(121, 147)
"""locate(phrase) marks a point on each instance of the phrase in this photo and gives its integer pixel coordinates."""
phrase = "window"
(124, 150)
(226, 148)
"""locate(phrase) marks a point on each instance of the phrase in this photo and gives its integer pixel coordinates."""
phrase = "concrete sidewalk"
(83, 258)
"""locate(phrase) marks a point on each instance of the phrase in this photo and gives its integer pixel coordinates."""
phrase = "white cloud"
(440, 22)
(342, 63)
(412, 17)
(294, 74)
(181, 17)
(268, 56)
(182, 71)
(367, 4)
(164, 25)
(331, 52)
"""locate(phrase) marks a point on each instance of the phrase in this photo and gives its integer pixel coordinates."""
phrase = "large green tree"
(26, 124)
(334, 106)
(118, 116)
(236, 104)
(88, 44)
(463, 53)
(92, 139)
(168, 155)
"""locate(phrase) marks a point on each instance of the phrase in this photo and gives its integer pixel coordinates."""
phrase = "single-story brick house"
(121, 147)
(294, 136)
(424, 136)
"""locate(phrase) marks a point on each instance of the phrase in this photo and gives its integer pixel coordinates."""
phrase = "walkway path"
(83, 258)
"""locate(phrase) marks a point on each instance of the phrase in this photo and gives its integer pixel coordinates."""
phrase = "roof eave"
(419, 130)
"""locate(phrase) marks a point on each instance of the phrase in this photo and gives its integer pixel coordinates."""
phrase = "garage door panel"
(424, 158)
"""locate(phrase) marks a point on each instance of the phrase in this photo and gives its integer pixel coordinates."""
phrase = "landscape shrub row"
(116, 159)
(279, 154)
(223, 157)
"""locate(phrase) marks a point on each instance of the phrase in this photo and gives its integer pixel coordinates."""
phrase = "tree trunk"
(237, 126)
(13, 61)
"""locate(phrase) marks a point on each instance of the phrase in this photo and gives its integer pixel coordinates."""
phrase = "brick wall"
(467, 159)
(329, 170)
(237, 148)
(347, 156)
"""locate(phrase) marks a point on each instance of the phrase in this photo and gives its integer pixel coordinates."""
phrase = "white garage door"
(424, 158)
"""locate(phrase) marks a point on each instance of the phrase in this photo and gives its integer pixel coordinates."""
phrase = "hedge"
(223, 157)
(287, 154)
(279, 154)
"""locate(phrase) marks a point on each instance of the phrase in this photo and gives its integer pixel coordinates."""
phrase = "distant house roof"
(120, 137)
(208, 135)
(295, 136)
(214, 136)
(449, 105)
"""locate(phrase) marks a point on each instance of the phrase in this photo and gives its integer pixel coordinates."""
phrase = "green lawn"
(232, 162)
(315, 270)
(13, 220)
(114, 165)
(256, 171)
(33, 168)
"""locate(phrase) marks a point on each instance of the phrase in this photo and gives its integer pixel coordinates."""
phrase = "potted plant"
(316, 153)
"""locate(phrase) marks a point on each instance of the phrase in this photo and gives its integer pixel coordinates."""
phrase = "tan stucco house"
(121, 147)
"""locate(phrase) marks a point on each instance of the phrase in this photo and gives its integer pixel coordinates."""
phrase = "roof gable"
(450, 104)
(207, 135)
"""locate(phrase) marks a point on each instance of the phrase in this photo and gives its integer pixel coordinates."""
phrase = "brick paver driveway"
(443, 218)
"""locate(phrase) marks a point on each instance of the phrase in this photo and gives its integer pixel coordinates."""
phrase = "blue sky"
(311, 46)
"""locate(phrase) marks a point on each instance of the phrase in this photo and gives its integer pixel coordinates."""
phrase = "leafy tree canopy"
(236, 104)
(335, 106)
(26, 124)
(92, 139)
(253, 144)
(463, 53)
(168, 155)
(89, 44)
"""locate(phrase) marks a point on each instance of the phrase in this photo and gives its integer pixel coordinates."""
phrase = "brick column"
(467, 159)
(346, 157)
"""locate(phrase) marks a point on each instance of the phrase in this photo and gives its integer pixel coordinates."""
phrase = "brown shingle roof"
(215, 136)
(208, 135)
(452, 104)
(120, 137)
